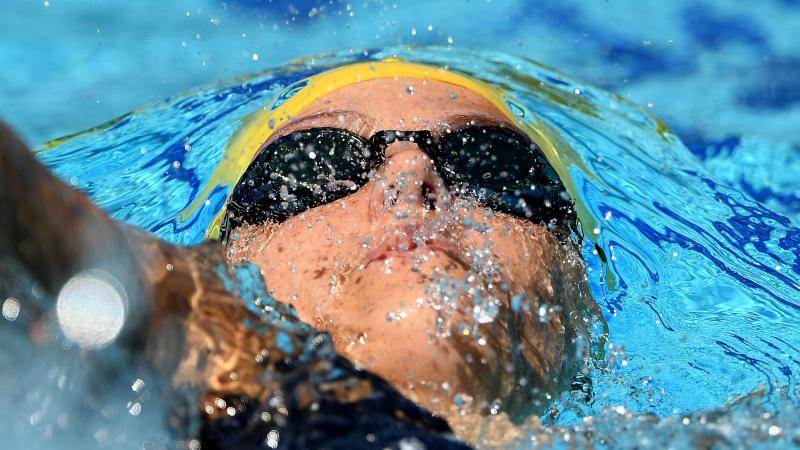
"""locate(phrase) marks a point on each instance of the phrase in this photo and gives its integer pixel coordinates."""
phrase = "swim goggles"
(247, 143)
(498, 167)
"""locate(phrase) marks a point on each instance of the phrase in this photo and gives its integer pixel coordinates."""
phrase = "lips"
(399, 243)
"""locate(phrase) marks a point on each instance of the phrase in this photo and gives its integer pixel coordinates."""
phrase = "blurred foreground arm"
(54, 231)
(179, 312)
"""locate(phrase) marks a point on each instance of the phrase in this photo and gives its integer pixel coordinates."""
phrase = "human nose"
(408, 184)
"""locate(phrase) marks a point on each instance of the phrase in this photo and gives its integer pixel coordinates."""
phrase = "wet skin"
(372, 269)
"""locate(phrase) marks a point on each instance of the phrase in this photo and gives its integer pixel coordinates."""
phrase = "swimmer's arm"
(180, 316)
(54, 231)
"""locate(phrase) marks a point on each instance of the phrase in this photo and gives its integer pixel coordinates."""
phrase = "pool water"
(697, 214)
(722, 75)
(701, 287)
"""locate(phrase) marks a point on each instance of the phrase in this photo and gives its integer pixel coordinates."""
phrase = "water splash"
(706, 278)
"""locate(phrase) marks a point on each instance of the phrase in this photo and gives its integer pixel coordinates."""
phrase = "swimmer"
(409, 217)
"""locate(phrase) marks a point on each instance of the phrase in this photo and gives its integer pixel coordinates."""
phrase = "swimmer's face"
(413, 281)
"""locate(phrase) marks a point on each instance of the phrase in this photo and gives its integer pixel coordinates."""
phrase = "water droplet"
(137, 385)
(272, 439)
(11, 309)
(516, 302)
(135, 409)
(91, 308)
(543, 313)
(411, 443)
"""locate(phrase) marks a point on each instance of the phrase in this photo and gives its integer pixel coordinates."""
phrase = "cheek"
(521, 250)
(305, 252)
(296, 263)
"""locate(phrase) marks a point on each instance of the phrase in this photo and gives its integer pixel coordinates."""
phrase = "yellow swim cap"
(260, 125)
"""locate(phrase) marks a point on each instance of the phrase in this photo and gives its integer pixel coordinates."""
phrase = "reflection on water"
(700, 289)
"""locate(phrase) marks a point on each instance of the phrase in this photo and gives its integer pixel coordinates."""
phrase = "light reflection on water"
(705, 279)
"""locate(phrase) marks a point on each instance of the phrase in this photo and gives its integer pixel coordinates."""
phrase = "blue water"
(720, 72)
(699, 220)
(705, 279)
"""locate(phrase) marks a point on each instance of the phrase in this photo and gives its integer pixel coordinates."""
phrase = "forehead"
(406, 103)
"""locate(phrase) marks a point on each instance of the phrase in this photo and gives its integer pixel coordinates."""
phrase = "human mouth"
(400, 243)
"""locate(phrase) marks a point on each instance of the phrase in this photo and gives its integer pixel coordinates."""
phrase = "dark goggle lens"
(309, 168)
(504, 172)
(300, 171)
